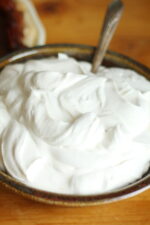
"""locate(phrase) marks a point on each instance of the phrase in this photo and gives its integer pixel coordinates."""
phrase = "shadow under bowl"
(80, 52)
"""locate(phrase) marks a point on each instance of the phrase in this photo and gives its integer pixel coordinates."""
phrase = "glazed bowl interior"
(80, 52)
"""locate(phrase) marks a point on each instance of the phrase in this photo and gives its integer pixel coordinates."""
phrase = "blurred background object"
(20, 26)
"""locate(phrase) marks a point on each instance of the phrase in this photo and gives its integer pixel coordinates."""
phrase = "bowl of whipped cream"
(71, 137)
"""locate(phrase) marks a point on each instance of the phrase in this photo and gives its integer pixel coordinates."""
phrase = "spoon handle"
(112, 18)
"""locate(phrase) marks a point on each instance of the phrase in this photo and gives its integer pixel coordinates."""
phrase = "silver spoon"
(112, 18)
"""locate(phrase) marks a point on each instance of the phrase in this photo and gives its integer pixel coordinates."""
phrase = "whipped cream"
(64, 129)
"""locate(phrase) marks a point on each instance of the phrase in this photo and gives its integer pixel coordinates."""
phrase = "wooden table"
(79, 21)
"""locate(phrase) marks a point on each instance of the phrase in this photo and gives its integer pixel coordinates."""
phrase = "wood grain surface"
(79, 21)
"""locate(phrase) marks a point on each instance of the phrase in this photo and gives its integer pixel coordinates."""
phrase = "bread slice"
(33, 32)
(20, 26)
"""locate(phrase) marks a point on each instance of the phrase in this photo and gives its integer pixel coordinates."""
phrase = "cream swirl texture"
(64, 129)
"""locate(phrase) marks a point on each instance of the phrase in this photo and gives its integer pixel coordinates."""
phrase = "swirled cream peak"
(67, 130)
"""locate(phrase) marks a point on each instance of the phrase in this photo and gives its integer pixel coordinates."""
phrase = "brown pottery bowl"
(80, 52)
